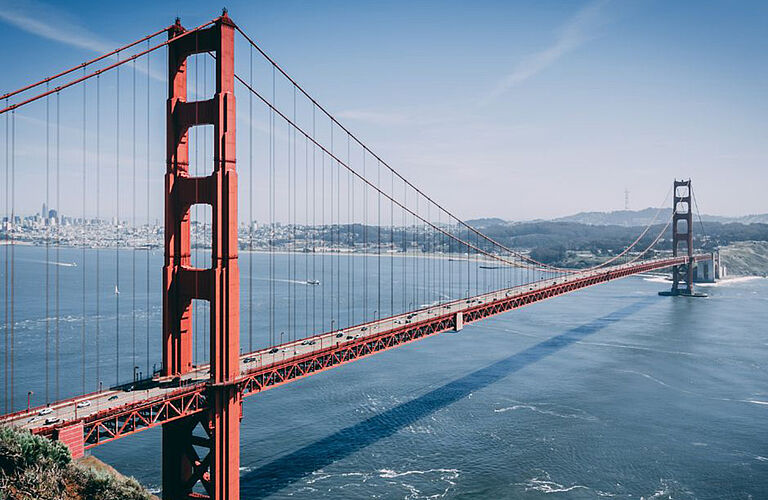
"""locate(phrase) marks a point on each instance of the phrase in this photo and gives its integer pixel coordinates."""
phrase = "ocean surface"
(612, 391)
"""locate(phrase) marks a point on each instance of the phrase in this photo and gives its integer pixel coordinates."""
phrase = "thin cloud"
(574, 33)
(48, 22)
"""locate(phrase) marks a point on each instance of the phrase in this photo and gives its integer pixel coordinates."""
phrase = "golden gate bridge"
(329, 199)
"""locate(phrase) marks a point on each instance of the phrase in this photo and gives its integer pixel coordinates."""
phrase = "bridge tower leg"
(183, 469)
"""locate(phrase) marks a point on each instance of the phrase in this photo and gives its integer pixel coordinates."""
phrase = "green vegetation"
(33, 467)
(572, 244)
(745, 258)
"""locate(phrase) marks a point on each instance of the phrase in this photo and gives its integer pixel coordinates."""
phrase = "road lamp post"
(29, 400)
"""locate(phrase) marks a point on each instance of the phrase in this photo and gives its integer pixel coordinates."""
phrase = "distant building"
(707, 271)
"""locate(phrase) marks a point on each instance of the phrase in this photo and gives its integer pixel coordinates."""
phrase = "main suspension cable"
(84, 64)
(105, 69)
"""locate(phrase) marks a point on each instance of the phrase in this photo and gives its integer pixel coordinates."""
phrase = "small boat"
(117, 292)
(313, 282)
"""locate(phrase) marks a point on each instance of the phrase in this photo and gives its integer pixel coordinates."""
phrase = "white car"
(83, 404)
(51, 420)
(45, 411)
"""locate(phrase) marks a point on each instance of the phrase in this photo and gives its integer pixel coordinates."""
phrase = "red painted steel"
(177, 302)
(682, 212)
(220, 284)
(72, 437)
(225, 414)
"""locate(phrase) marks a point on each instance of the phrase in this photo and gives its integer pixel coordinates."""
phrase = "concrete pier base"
(682, 293)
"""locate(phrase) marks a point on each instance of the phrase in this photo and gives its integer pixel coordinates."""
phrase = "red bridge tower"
(183, 468)
(682, 233)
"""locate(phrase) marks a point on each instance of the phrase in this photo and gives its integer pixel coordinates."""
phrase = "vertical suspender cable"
(148, 230)
(417, 253)
(117, 227)
(338, 241)
(250, 203)
(133, 219)
(349, 244)
(48, 223)
(404, 264)
(293, 226)
(352, 239)
(469, 285)
(414, 245)
(83, 243)
(314, 225)
(378, 240)
(13, 258)
(417, 257)
(272, 216)
(332, 231)
(322, 236)
(365, 246)
(58, 240)
(8, 229)
(290, 286)
(428, 265)
(99, 223)
(306, 229)
(441, 243)
(391, 246)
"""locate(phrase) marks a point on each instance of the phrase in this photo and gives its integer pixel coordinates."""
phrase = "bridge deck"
(112, 414)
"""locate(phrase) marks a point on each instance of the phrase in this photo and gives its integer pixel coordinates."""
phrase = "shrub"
(37, 468)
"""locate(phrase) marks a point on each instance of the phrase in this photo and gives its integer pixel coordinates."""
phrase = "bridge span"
(117, 413)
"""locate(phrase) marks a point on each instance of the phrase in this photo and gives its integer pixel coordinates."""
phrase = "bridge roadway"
(115, 413)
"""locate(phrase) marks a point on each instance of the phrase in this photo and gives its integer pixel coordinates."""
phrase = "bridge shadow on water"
(275, 475)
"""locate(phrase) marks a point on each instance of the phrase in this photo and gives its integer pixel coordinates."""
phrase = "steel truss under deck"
(112, 424)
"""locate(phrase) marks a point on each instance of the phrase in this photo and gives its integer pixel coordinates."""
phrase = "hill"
(33, 467)
(626, 218)
(645, 216)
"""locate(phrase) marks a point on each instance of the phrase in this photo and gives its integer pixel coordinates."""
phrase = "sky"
(511, 109)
